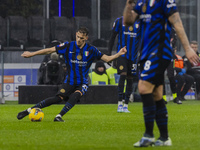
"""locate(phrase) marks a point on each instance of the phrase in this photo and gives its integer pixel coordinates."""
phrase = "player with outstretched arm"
(78, 57)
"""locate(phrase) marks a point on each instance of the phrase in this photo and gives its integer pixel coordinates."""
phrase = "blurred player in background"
(126, 64)
(156, 20)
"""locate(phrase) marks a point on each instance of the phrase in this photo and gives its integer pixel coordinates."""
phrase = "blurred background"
(33, 24)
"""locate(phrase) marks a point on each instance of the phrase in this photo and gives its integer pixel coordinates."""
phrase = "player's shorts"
(125, 65)
(66, 90)
(153, 70)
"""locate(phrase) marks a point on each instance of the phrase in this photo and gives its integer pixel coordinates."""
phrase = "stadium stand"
(61, 29)
(39, 32)
(17, 32)
(3, 32)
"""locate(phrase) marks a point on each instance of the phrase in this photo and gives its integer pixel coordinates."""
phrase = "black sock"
(129, 89)
(121, 87)
(47, 102)
(70, 103)
(162, 118)
(149, 112)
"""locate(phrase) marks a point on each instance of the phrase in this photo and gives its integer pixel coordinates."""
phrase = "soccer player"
(78, 57)
(126, 64)
(156, 17)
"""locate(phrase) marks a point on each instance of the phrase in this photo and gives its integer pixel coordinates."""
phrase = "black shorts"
(66, 90)
(125, 65)
(153, 70)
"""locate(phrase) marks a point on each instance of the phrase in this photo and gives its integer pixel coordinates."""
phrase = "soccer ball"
(36, 114)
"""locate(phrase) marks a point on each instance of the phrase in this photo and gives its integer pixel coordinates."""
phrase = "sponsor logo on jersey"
(131, 34)
(146, 17)
(80, 63)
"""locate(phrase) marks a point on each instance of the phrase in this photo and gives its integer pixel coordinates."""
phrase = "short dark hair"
(194, 42)
(83, 30)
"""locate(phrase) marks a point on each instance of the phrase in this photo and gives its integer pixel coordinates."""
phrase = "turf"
(95, 127)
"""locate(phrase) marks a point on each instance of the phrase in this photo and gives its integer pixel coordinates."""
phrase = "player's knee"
(76, 95)
(144, 89)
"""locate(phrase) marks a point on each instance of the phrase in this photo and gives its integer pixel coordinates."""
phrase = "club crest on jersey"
(86, 53)
(152, 3)
(62, 90)
(130, 28)
(121, 67)
(144, 8)
(79, 57)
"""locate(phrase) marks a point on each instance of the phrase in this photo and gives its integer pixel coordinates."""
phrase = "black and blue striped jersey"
(127, 36)
(78, 61)
(155, 27)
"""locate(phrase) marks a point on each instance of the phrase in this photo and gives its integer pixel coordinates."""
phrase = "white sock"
(58, 115)
(126, 105)
(120, 103)
(29, 110)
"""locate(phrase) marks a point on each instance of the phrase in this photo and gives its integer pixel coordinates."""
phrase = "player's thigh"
(121, 65)
(152, 70)
(82, 89)
(65, 90)
(158, 93)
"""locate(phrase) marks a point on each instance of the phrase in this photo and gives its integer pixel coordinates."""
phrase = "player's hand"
(27, 54)
(192, 56)
(123, 51)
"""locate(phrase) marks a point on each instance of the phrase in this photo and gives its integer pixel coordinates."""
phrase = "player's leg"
(189, 80)
(65, 89)
(161, 118)
(122, 70)
(149, 110)
(131, 69)
(129, 89)
(180, 83)
(151, 77)
(74, 97)
(161, 110)
(45, 103)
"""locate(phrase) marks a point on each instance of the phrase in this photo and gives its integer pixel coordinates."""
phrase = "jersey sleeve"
(97, 54)
(138, 7)
(169, 7)
(62, 48)
(116, 25)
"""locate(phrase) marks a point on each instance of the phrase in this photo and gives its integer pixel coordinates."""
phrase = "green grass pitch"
(95, 127)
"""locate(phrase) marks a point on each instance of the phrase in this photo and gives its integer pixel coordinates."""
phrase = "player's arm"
(111, 42)
(45, 51)
(129, 14)
(107, 58)
(175, 20)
